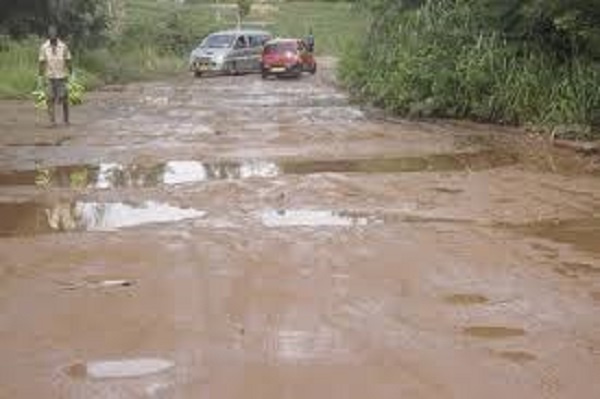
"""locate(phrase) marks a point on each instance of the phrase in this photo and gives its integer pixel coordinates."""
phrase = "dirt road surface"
(238, 238)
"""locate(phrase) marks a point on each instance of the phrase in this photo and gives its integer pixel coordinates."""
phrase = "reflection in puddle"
(493, 332)
(127, 368)
(112, 175)
(582, 234)
(283, 218)
(177, 172)
(30, 218)
(98, 216)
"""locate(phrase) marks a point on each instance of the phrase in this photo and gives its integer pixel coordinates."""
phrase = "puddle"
(493, 332)
(430, 163)
(308, 218)
(29, 218)
(517, 356)
(39, 144)
(112, 283)
(127, 368)
(114, 175)
(466, 299)
(95, 283)
(192, 171)
(582, 234)
(447, 190)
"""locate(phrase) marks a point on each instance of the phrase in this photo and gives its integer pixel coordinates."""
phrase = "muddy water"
(270, 240)
(113, 175)
(31, 218)
(466, 299)
(126, 368)
(494, 332)
(315, 218)
(583, 234)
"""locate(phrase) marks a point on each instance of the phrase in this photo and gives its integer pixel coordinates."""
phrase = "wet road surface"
(240, 238)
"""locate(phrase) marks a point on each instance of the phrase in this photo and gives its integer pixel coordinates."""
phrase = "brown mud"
(239, 238)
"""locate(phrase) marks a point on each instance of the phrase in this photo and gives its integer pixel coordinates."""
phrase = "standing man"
(310, 41)
(55, 66)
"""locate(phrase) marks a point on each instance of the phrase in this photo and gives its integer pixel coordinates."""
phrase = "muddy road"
(239, 238)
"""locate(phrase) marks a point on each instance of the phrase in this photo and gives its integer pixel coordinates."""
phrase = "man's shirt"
(56, 58)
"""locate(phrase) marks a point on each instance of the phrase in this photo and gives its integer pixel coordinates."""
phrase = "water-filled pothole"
(113, 175)
(581, 234)
(519, 357)
(316, 218)
(494, 332)
(31, 218)
(125, 368)
(466, 299)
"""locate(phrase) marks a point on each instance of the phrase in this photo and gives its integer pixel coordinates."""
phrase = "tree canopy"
(83, 21)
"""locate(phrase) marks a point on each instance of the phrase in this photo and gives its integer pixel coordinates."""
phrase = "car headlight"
(219, 59)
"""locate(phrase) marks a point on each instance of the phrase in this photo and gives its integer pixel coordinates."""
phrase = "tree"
(244, 7)
(84, 21)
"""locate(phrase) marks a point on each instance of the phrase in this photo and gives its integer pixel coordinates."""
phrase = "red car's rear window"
(275, 48)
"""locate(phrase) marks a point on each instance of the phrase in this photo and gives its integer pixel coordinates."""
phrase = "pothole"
(115, 175)
(125, 368)
(494, 332)
(316, 218)
(32, 218)
(582, 234)
(519, 357)
(466, 299)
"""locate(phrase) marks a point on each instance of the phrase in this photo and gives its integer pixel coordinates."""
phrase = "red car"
(288, 57)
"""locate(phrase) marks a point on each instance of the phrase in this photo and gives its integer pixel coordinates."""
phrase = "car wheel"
(313, 69)
(264, 75)
(230, 68)
(197, 74)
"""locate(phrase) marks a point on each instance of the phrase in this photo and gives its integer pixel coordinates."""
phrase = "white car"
(231, 51)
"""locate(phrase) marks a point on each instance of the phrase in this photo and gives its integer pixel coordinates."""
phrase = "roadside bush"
(437, 59)
(18, 67)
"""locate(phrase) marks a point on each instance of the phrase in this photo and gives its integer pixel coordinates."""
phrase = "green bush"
(18, 67)
(438, 60)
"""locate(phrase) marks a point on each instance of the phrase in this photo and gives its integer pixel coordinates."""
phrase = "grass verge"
(435, 62)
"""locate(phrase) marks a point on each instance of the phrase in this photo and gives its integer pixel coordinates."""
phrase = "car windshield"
(280, 47)
(218, 41)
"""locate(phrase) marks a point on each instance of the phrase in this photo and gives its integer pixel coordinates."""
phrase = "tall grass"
(335, 25)
(18, 67)
(434, 61)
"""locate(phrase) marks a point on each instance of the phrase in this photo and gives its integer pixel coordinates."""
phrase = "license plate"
(278, 69)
